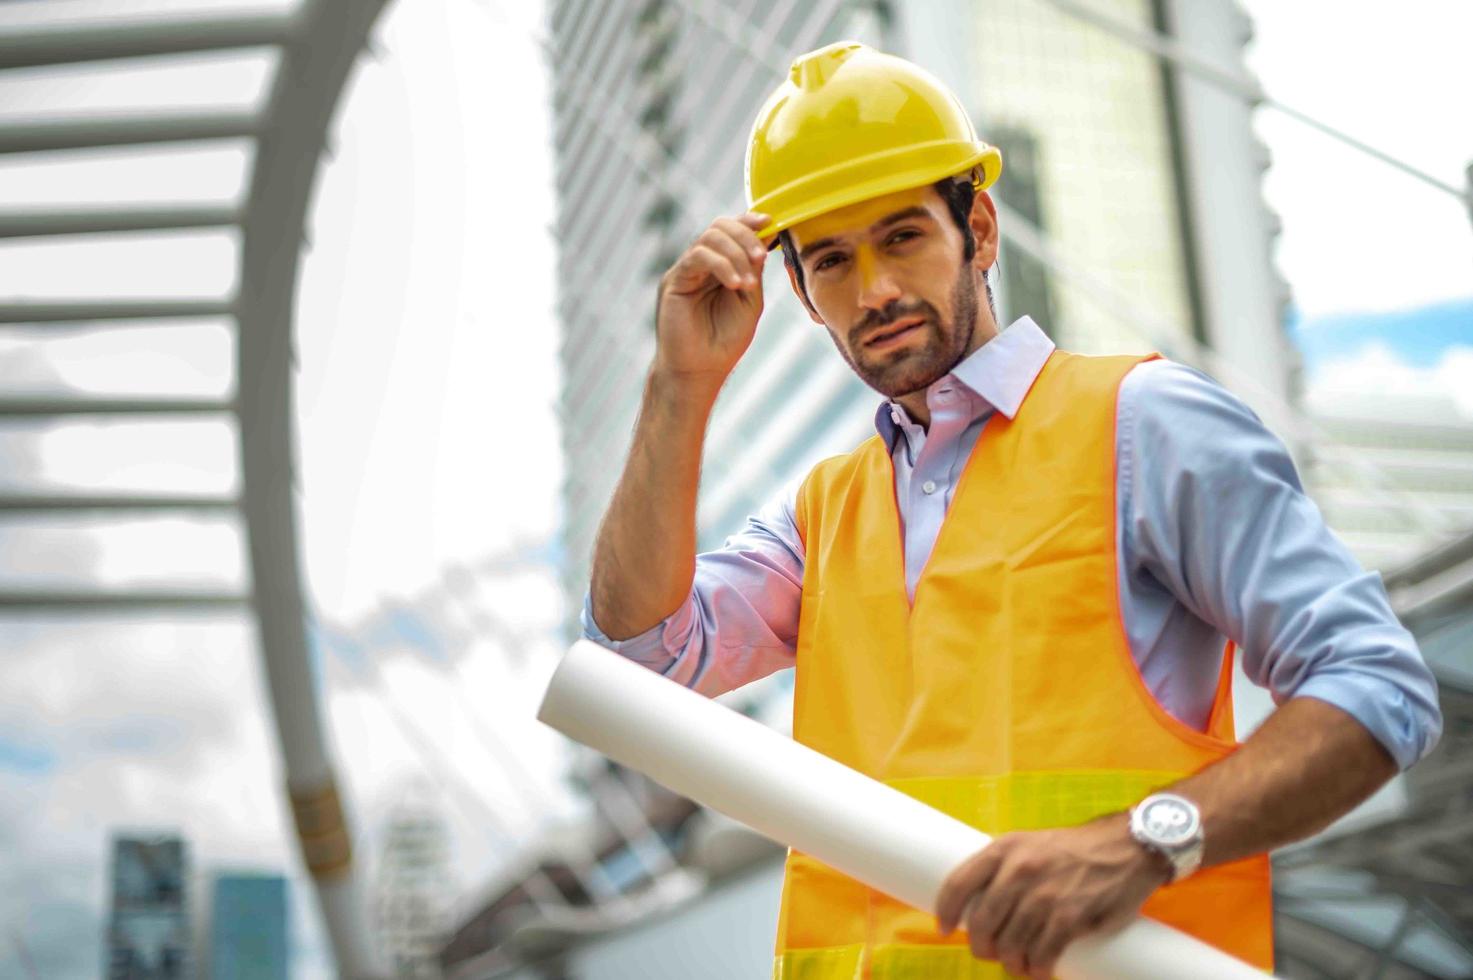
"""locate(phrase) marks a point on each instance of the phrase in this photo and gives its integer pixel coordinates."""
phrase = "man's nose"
(877, 287)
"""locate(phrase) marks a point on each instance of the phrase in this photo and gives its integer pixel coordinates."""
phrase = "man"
(1014, 602)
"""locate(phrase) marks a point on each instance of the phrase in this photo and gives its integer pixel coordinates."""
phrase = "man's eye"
(903, 236)
(827, 262)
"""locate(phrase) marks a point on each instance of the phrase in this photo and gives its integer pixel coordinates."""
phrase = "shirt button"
(929, 486)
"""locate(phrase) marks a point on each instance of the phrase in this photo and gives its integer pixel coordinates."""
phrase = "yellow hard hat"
(851, 123)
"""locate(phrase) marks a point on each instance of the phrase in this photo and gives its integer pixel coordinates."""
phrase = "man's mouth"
(893, 332)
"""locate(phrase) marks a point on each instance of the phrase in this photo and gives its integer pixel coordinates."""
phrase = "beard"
(941, 347)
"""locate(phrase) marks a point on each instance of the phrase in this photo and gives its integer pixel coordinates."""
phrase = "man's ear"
(802, 298)
(983, 221)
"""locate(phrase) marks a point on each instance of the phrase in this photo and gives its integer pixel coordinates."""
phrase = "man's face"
(888, 278)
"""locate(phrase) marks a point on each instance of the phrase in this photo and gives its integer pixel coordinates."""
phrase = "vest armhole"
(821, 469)
(1220, 721)
(1169, 722)
(800, 509)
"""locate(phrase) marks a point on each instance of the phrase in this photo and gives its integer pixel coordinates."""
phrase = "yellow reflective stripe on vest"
(1035, 800)
(832, 963)
(898, 962)
(887, 962)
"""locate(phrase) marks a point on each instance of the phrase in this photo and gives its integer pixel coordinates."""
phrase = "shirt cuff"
(646, 649)
(1382, 707)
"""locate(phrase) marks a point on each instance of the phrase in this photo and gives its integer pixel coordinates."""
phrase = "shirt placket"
(931, 480)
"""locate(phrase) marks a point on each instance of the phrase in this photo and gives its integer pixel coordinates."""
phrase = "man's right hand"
(710, 300)
(645, 555)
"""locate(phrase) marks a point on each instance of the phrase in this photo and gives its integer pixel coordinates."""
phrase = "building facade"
(412, 890)
(148, 921)
(248, 927)
(1394, 473)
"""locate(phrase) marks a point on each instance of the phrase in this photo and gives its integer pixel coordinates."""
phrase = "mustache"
(876, 320)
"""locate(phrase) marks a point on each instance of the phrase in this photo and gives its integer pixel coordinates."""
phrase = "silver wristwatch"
(1171, 826)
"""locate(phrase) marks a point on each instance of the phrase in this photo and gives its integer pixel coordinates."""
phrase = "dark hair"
(958, 195)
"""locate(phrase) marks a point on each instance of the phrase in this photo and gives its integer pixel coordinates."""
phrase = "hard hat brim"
(893, 170)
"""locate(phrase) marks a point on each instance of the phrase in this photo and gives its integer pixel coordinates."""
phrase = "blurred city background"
(322, 327)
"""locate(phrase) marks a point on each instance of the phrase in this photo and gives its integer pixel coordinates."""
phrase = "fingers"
(743, 231)
(1013, 941)
(728, 251)
(1048, 945)
(969, 877)
(738, 261)
(757, 221)
(703, 260)
(736, 243)
(990, 914)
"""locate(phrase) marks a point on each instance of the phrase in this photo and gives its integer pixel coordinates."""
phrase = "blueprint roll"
(813, 804)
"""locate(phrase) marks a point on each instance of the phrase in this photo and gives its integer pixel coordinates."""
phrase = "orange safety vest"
(1006, 695)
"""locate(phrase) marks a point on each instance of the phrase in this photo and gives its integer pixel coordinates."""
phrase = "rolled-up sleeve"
(1220, 519)
(740, 621)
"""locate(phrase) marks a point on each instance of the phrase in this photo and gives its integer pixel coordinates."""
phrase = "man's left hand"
(1027, 895)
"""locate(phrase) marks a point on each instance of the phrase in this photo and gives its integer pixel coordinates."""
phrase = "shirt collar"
(1000, 373)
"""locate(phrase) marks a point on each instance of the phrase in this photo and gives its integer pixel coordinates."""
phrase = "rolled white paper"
(813, 804)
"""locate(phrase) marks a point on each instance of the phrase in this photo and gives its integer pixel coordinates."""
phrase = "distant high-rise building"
(248, 927)
(1418, 449)
(412, 891)
(1129, 166)
(148, 928)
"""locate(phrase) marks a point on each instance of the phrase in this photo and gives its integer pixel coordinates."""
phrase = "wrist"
(1152, 863)
(684, 389)
(1147, 863)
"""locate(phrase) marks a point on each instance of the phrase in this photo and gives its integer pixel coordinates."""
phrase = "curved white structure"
(318, 42)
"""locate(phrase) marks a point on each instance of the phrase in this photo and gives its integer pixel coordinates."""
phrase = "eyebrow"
(914, 211)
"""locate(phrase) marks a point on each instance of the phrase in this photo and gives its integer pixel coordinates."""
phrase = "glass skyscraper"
(148, 928)
(248, 928)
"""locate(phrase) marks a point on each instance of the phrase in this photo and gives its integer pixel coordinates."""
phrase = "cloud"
(1375, 379)
(1418, 334)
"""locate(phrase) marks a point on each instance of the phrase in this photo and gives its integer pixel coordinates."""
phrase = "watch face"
(1168, 821)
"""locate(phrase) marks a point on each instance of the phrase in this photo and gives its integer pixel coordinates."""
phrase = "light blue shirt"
(1216, 538)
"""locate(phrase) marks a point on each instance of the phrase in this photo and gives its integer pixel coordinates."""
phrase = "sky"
(1380, 264)
(428, 437)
